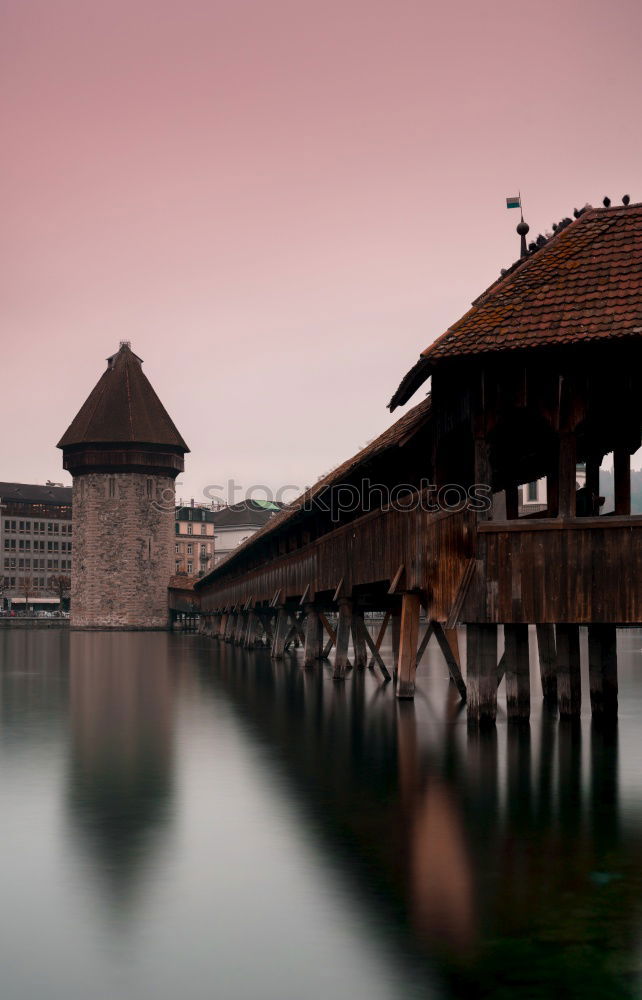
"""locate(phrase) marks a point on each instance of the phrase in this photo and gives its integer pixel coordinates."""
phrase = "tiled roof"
(584, 284)
(395, 436)
(247, 514)
(123, 407)
(26, 493)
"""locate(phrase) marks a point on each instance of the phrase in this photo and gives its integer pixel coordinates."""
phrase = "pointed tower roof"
(123, 408)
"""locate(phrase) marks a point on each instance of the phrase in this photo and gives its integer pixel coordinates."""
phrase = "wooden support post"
(518, 680)
(379, 639)
(313, 637)
(358, 640)
(407, 662)
(603, 669)
(547, 661)
(250, 631)
(222, 626)
(231, 625)
(512, 502)
(395, 633)
(569, 683)
(280, 634)
(241, 620)
(483, 473)
(449, 645)
(481, 681)
(567, 474)
(622, 481)
(342, 639)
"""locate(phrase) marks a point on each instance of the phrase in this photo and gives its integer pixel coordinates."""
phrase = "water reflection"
(212, 798)
(121, 692)
(501, 852)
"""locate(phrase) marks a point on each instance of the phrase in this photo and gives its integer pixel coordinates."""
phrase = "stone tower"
(124, 454)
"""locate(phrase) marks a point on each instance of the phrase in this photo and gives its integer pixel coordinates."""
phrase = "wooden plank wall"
(433, 548)
(580, 571)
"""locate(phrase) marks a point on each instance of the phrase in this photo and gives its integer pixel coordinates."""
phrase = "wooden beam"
(379, 639)
(376, 656)
(424, 642)
(481, 643)
(603, 669)
(397, 580)
(338, 592)
(547, 661)
(518, 681)
(358, 641)
(449, 645)
(407, 664)
(569, 683)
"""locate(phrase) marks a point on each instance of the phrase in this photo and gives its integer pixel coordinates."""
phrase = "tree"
(26, 588)
(60, 584)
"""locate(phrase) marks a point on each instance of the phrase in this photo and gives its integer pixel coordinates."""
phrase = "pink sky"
(281, 203)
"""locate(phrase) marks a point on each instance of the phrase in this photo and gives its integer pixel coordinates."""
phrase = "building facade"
(36, 544)
(238, 522)
(124, 454)
(193, 540)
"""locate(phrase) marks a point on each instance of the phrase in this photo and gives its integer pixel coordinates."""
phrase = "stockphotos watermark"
(340, 499)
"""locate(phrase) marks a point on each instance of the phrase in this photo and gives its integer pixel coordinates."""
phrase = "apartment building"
(36, 546)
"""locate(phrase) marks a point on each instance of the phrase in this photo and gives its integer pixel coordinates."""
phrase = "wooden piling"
(280, 634)
(481, 681)
(313, 637)
(569, 684)
(409, 634)
(603, 669)
(358, 640)
(518, 681)
(342, 639)
(547, 661)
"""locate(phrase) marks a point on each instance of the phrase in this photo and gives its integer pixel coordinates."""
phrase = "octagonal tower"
(124, 454)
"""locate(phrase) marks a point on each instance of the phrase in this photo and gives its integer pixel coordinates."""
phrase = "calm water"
(184, 820)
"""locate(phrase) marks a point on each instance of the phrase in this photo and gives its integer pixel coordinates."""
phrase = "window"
(150, 488)
(203, 549)
(178, 565)
(203, 529)
(178, 548)
(189, 567)
(531, 492)
(189, 550)
(190, 529)
(112, 487)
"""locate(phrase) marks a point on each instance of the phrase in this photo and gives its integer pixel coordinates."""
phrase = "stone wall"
(123, 532)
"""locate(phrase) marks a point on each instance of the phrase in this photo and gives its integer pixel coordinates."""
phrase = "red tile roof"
(584, 284)
(123, 407)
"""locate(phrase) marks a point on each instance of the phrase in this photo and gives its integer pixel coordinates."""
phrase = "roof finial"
(523, 227)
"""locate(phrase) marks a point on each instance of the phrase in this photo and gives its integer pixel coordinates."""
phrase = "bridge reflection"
(503, 851)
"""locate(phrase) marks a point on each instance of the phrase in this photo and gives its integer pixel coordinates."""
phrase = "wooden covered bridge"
(541, 374)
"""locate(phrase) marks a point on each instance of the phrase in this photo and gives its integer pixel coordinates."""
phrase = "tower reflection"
(120, 776)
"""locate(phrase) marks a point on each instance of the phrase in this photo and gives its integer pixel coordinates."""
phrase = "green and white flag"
(514, 202)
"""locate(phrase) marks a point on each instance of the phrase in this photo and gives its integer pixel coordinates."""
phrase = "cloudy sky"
(281, 202)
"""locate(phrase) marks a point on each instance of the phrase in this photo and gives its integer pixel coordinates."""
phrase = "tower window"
(112, 487)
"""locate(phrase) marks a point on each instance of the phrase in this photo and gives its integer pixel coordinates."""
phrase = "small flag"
(514, 202)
